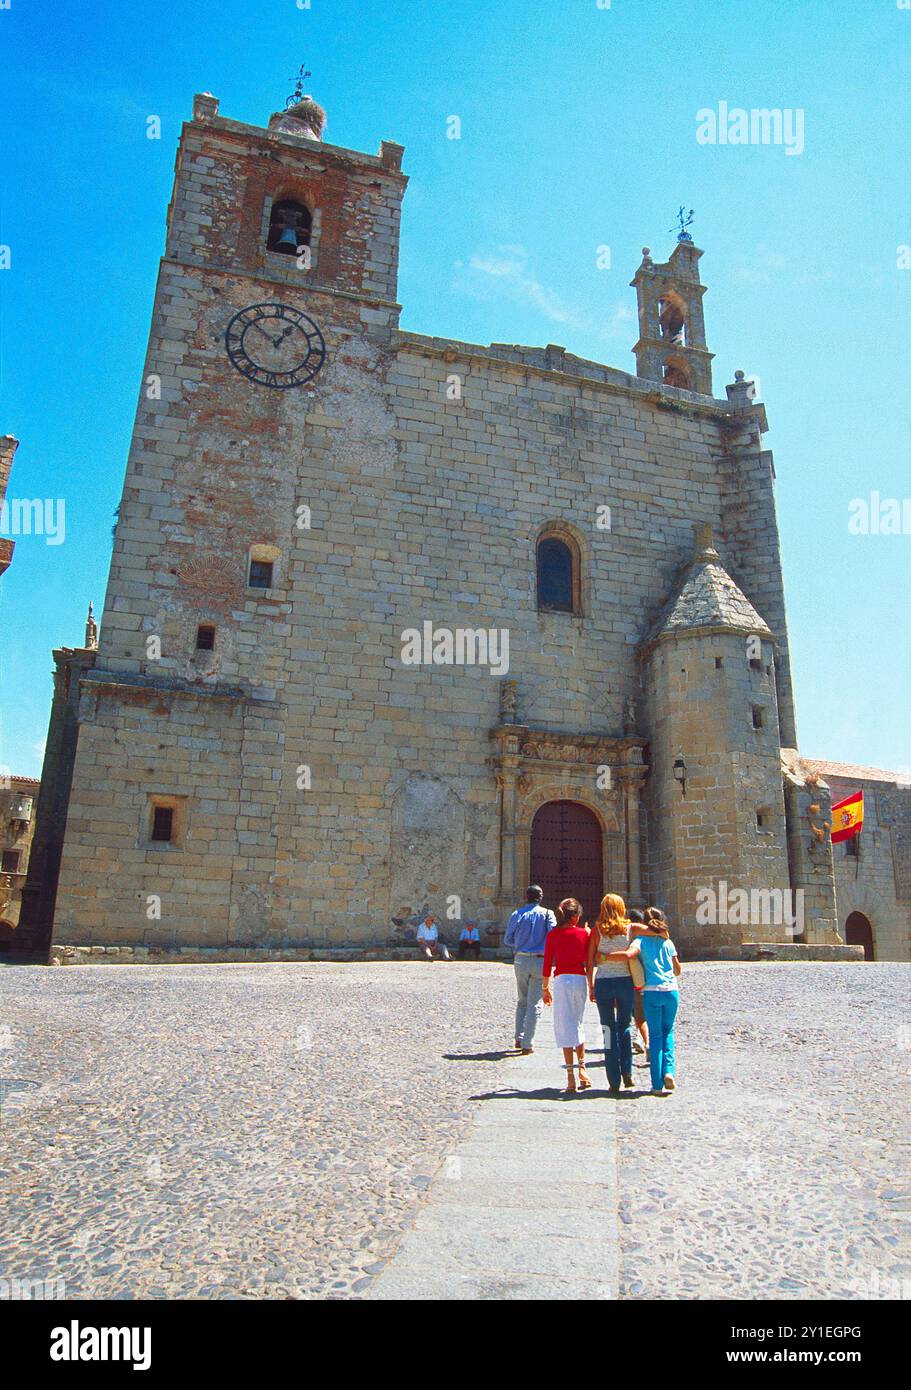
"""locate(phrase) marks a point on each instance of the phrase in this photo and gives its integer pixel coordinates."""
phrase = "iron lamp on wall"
(680, 774)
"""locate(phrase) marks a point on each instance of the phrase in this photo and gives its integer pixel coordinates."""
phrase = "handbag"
(637, 972)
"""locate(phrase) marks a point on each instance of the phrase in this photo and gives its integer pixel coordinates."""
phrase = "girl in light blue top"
(660, 997)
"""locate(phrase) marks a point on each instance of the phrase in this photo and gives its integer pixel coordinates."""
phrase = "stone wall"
(18, 796)
(750, 526)
(808, 811)
(40, 889)
(878, 881)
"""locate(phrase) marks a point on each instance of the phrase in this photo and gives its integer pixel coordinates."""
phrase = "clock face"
(275, 345)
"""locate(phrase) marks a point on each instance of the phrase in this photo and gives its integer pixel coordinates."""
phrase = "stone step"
(205, 955)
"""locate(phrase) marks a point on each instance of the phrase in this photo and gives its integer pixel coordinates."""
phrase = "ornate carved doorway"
(566, 855)
(858, 932)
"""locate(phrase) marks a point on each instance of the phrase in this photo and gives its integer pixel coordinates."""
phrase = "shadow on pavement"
(480, 1056)
(556, 1093)
(503, 1055)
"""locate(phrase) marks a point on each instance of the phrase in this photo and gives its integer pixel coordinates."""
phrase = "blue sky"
(578, 131)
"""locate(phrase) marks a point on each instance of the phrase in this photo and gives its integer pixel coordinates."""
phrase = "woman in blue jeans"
(610, 986)
(660, 996)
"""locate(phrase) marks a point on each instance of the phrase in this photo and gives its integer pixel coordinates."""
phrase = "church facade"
(397, 624)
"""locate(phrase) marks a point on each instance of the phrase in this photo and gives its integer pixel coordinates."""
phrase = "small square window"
(762, 820)
(719, 662)
(162, 823)
(10, 861)
(755, 663)
(260, 574)
(852, 847)
(758, 717)
(205, 638)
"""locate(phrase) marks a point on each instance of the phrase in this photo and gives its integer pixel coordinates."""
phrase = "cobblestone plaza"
(338, 1131)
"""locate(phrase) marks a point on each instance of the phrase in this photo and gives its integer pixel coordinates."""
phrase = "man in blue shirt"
(526, 934)
(470, 941)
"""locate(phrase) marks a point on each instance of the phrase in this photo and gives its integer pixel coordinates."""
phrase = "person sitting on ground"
(428, 939)
(565, 954)
(470, 941)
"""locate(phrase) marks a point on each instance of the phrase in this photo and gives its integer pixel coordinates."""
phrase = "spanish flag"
(848, 817)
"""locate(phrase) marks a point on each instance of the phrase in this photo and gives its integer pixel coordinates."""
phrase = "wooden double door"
(567, 857)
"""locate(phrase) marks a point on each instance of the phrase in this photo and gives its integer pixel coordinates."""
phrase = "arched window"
(559, 581)
(289, 227)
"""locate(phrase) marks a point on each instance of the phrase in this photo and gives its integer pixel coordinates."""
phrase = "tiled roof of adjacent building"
(851, 772)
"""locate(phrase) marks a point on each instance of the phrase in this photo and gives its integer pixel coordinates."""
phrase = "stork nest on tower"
(309, 112)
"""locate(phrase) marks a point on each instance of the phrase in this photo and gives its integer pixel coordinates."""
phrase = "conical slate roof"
(707, 597)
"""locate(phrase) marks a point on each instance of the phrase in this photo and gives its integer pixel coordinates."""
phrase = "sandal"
(584, 1079)
(570, 1088)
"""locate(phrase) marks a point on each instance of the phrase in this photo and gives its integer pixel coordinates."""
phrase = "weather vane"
(685, 219)
(298, 93)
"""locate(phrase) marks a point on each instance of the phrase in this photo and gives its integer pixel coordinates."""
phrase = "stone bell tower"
(671, 347)
(263, 434)
(281, 205)
(276, 301)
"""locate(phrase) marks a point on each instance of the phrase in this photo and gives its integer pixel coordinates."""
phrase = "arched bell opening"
(290, 225)
(678, 373)
(672, 318)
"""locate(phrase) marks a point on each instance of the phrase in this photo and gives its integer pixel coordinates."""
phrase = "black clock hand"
(265, 334)
(277, 342)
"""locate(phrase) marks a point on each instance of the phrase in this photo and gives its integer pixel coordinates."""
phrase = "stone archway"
(859, 932)
(603, 775)
(566, 855)
(866, 905)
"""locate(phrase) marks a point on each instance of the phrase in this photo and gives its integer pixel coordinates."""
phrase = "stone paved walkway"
(338, 1131)
(526, 1207)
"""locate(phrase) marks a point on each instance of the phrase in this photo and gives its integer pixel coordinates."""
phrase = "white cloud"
(506, 273)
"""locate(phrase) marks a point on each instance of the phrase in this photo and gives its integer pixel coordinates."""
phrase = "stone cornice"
(139, 685)
(707, 630)
(237, 132)
(615, 382)
(185, 262)
(519, 745)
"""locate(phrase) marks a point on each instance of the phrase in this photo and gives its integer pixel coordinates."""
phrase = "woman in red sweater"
(565, 955)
